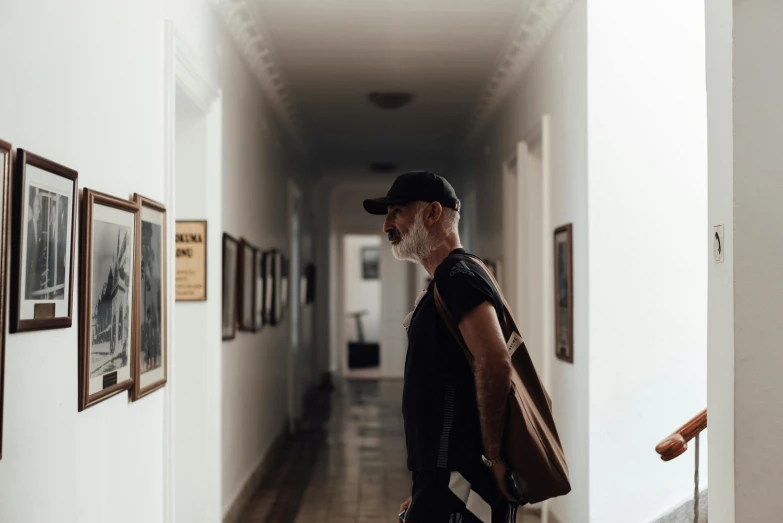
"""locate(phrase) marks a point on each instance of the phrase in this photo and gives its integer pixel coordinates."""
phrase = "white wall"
(257, 166)
(720, 338)
(84, 87)
(647, 219)
(554, 84)
(88, 90)
(361, 294)
(758, 284)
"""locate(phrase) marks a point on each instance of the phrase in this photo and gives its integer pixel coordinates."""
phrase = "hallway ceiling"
(332, 53)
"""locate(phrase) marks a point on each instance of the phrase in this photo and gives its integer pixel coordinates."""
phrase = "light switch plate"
(718, 243)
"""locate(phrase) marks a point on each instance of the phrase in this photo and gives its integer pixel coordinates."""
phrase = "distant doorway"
(362, 301)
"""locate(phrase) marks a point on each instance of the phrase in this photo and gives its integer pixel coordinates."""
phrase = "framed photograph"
(564, 294)
(269, 285)
(150, 313)
(310, 275)
(247, 285)
(259, 294)
(191, 272)
(44, 235)
(230, 266)
(109, 282)
(371, 257)
(275, 301)
(285, 268)
(5, 174)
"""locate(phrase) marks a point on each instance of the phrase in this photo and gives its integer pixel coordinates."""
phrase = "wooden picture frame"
(42, 260)
(246, 284)
(259, 291)
(564, 293)
(109, 282)
(6, 153)
(191, 260)
(230, 301)
(150, 309)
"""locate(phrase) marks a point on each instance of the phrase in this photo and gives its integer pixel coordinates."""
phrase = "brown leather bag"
(531, 446)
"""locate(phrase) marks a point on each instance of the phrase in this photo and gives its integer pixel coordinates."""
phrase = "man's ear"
(434, 212)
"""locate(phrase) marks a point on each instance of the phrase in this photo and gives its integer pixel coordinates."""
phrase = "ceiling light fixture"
(383, 167)
(390, 100)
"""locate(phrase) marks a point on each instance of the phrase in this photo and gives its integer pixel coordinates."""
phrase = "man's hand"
(499, 471)
(405, 505)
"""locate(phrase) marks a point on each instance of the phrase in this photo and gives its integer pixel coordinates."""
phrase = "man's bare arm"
(492, 367)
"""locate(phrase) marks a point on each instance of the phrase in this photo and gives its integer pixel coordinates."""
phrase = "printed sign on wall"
(191, 242)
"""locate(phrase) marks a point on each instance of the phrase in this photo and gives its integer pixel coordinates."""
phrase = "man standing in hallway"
(454, 414)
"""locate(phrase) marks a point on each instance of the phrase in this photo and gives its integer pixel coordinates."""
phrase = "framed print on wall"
(191, 256)
(246, 285)
(285, 265)
(109, 282)
(269, 285)
(150, 313)
(230, 265)
(43, 238)
(564, 294)
(259, 296)
(5, 174)
(275, 267)
(371, 257)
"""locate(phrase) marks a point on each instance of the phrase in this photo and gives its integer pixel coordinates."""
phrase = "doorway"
(192, 422)
(362, 304)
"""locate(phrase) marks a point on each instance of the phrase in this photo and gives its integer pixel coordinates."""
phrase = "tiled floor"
(347, 464)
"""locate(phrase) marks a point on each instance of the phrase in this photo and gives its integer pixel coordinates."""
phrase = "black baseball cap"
(415, 186)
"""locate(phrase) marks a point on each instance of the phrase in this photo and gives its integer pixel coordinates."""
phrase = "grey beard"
(415, 245)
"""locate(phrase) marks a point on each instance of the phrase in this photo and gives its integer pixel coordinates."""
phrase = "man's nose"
(387, 225)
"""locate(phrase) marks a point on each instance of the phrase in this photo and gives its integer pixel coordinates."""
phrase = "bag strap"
(508, 323)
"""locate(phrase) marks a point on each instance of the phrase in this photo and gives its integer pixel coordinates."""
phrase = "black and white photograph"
(44, 204)
(5, 174)
(247, 285)
(111, 297)
(230, 266)
(564, 302)
(109, 283)
(371, 257)
(150, 349)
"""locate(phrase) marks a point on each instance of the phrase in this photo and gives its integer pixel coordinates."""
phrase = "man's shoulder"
(458, 266)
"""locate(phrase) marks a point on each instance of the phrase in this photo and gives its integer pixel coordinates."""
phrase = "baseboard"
(242, 500)
(684, 513)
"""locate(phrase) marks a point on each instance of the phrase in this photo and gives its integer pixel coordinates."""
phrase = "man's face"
(409, 236)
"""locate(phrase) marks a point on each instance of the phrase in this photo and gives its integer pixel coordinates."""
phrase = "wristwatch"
(490, 462)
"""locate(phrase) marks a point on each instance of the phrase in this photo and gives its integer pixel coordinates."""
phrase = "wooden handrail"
(677, 443)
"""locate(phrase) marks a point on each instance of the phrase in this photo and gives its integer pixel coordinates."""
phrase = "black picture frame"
(371, 263)
(246, 284)
(229, 299)
(259, 292)
(564, 293)
(57, 182)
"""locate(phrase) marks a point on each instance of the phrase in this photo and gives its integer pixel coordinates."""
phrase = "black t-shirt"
(439, 405)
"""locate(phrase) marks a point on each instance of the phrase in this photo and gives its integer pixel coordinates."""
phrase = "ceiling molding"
(536, 25)
(255, 47)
